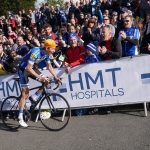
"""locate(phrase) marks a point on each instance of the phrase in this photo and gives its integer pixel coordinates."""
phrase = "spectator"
(48, 32)
(3, 55)
(114, 18)
(22, 47)
(115, 6)
(35, 33)
(46, 13)
(53, 19)
(30, 40)
(105, 5)
(86, 8)
(106, 13)
(64, 34)
(110, 47)
(106, 21)
(81, 19)
(72, 22)
(147, 25)
(12, 23)
(91, 54)
(24, 18)
(57, 58)
(12, 45)
(13, 61)
(72, 29)
(31, 17)
(144, 8)
(67, 7)
(92, 33)
(129, 37)
(78, 10)
(72, 9)
(120, 24)
(78, 31)
(11, 33)
(18, 20)
(75, 54)
(145, 44)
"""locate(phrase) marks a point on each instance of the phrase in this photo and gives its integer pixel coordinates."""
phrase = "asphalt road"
(117, 131)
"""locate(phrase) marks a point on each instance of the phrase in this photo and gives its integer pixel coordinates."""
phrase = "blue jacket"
(22, 50)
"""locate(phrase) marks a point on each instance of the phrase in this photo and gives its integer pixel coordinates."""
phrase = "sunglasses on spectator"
(126, 20)
(106, 19)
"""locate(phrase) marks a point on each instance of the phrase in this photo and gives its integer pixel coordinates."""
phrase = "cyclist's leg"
(34, 97)
(23, 75)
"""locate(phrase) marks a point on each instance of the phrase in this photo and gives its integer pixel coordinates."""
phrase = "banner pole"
(145, 109)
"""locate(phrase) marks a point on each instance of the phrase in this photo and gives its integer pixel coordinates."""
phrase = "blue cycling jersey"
(34, 56)
(129, 49)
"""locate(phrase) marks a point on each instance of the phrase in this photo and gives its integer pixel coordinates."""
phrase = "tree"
(15, 5)
(54, 2)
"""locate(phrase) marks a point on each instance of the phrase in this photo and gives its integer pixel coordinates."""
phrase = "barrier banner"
(114, 82)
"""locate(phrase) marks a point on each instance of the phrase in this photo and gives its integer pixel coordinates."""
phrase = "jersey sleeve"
(47, 59)
(34, 53)
(32, 58)
(136, 34)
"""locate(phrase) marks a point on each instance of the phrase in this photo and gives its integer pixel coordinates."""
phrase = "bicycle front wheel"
(54, 112)
(9, 112)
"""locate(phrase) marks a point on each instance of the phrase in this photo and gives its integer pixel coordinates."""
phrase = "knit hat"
(91, 47)
(49, 43)
(72, 34)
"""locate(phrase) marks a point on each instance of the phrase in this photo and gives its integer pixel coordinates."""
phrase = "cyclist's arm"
(29, 68)
(51, 70)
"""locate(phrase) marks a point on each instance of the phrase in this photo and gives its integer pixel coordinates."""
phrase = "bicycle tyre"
(9, 112)
(59, 111)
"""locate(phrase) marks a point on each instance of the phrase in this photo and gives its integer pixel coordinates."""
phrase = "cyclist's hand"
(59, 80)
(44, 79)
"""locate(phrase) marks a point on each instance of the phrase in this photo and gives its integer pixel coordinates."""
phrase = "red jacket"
(75, 56)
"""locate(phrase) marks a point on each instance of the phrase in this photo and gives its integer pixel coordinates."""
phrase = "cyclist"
(27, 69)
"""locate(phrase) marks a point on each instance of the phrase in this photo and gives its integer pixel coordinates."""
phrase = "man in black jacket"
(145, 45)
(110, 48)
(12, 63)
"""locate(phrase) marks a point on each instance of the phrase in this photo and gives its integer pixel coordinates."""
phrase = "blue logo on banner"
(145, 78)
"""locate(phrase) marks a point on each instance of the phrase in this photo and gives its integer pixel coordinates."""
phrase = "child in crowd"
(91, 58)
(91, 54)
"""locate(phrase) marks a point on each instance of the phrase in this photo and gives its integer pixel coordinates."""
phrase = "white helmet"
(45, 115)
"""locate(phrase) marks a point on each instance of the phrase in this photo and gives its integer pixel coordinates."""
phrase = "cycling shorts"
(24, 75)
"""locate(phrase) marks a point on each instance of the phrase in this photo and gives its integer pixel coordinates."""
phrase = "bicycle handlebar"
(52, 80)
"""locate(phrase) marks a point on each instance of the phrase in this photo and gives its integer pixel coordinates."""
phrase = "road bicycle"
(54, 110)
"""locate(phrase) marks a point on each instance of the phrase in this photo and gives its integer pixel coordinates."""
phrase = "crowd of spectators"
(85, 31)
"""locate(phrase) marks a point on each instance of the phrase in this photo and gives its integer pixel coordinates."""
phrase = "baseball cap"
(124, 9)
(49, 43)
(114, 13)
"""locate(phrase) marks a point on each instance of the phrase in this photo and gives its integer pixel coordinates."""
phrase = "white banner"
(115, 82)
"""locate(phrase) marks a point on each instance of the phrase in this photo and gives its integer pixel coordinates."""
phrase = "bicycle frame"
(42, 96)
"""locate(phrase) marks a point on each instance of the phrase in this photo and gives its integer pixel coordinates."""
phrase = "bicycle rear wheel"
(54, 112)
(9, 112)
